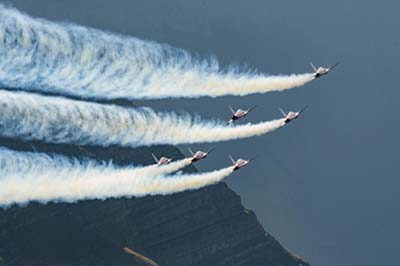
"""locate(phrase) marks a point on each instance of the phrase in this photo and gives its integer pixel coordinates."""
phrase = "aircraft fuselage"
(164, 161)
(199, 156)
(321, 72)
(290, 117)
(238, 114)
(240, 164)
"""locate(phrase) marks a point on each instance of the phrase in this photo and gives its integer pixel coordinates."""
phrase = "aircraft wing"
(252, 159)
(210, 151)
(233, 161)
(190, 150)
(155, 158)
(284, 114)
(252, 108)
(304, 108)
(313, 67)
(332, 67)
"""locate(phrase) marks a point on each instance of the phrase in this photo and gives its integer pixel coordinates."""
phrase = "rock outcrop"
(205, 227)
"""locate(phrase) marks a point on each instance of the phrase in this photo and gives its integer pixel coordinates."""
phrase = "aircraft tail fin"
(190, 150)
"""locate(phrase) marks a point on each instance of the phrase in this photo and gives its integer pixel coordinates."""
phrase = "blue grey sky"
(327, 185)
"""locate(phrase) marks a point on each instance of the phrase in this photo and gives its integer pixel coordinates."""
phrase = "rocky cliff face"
(205, 227)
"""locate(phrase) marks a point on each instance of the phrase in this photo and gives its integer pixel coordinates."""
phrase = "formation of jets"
(240, 113)
(199, 155)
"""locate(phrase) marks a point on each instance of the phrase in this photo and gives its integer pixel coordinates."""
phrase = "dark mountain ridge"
(205, 227)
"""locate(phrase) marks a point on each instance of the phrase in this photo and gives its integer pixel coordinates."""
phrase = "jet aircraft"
(321, 71)
(291, 115)
(239, 113)
(240, 163)
(162, 160)
(199, 155)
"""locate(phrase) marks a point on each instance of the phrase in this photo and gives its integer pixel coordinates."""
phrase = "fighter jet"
(321, 71)
(239, 113)
(162, 160)
(291, 115)
(199, 155)
(240, 163)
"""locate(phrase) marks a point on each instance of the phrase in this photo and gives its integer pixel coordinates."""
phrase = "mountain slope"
(205, 227)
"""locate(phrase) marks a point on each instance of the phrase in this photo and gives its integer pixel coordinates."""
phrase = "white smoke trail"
(37, 177)
(27, 162)
(59, 120)
(74, 60)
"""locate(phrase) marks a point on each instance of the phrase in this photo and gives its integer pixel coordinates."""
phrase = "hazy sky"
(327, 185)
